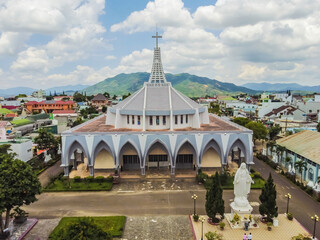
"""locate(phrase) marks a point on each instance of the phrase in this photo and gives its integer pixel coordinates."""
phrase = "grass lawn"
(20, 122)
(60, 185)
(112, 224)
(258, 183)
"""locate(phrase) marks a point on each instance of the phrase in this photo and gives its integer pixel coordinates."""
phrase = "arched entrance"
(211, 156)
(103, 157)
(186, 157)
(157, 157)
(236, 155)
(129, 157)
(79, 159)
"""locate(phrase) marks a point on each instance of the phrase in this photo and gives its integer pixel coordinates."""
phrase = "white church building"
(156, 128)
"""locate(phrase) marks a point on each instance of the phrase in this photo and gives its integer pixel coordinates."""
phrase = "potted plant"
(222, 225)
(236, 218)
(290, 216)
(269, 224)
(195, 217)
(20, 216)
(233, 222)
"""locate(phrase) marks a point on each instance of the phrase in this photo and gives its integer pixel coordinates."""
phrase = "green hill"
(190, 85)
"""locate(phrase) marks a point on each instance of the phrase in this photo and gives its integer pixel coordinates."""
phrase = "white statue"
(242, 183)
(289, 168)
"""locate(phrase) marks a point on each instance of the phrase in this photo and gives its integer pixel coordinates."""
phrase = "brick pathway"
(284, 231)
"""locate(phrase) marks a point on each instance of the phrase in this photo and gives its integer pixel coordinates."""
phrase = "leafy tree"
(77, 122)
(241, 121)
(85, 229)
(268, 206)
(20, 96)
(46, 140)
(215, 108)
(259, 130)
(274, 131)
(214, 200)
(106, 94)
(78, 97)
(19, 186)
(318, 127)
(300, 166)
(114, 97)
(125, 96)
(104, 109)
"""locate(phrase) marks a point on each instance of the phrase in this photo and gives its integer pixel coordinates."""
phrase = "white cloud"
(251, 72)
(31, 60)
(234, 13)
(12, 42)
(110, 57)
(164, 13)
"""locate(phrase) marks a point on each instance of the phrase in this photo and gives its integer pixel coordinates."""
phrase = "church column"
(143, 171)
(173, 170)
(91, 170)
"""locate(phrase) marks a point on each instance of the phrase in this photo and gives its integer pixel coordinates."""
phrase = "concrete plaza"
(285, 231)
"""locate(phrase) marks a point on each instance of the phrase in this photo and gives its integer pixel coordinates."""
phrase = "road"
(301, 205)
(167, 202)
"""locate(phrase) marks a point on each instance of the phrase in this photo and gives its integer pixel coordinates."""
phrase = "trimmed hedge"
(64, 184)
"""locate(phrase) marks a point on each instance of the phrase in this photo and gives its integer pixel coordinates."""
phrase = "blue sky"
(57, 42)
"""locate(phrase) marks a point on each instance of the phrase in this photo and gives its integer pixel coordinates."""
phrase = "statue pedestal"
(243, 212)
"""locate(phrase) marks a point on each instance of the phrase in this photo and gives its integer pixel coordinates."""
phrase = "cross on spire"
(156, 37)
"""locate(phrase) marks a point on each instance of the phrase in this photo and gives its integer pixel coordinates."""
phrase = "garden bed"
(111, 224)
(62, 184)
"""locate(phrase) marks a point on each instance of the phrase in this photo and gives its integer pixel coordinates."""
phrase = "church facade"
(156, 127)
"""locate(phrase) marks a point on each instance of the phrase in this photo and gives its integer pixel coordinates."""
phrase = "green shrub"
(213, 236)
(109, 179)
(89, 179)
(84, 228)
(222, 225)
(195, 217)
(309, 190)
(223, 178)
(100, 179)
(77, 179)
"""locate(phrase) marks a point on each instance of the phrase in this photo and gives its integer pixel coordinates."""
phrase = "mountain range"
(69, 89)
(190, 85)
(281, 87)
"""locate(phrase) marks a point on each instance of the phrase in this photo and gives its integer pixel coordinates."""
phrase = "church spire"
(157, 74)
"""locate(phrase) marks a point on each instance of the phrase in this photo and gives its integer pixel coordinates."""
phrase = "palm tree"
(287, 160)
(271, 145)
(300, 166)
(280, 150)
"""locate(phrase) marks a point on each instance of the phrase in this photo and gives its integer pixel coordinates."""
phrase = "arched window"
(310, 174)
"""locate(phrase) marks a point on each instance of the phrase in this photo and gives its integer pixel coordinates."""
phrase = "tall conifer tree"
(268, 206)
(214, 200)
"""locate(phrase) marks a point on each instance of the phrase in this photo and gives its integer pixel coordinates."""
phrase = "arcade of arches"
(157, 158)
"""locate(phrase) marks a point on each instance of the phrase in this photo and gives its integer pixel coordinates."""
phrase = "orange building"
(49, 106)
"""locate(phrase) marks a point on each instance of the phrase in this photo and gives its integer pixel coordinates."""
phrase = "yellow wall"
(211, 159)
(186, 149)
(157, 150)
(104, 160)
(129, 150)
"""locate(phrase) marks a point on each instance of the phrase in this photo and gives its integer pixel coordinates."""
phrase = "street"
(167, 202)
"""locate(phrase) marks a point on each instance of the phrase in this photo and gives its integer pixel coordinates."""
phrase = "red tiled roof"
(10, 115)
(9, 107)
(63, 111)
(50, 102)
(99, 125)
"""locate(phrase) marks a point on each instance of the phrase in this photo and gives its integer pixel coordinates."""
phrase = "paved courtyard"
(42, 229)
(157, 228)
(285, 231)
